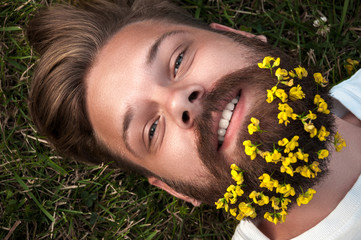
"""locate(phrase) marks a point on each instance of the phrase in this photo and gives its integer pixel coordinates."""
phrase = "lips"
(225, 119)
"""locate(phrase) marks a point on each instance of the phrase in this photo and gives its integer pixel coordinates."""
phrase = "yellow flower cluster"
(279, 204)
(229, 199)
(287, 152)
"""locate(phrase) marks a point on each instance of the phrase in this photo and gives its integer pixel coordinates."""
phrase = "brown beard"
(210, 189)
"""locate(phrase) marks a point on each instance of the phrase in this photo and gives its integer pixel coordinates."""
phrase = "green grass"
(43, 196)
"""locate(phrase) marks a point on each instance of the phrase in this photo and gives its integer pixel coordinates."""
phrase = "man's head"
(68, 39)
(150, 94)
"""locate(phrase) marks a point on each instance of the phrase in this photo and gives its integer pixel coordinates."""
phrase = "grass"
(43, 196)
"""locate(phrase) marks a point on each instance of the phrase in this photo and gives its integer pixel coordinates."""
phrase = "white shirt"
(344, 222)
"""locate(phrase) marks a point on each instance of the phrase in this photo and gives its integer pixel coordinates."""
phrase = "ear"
(162, 185)
(221, 27)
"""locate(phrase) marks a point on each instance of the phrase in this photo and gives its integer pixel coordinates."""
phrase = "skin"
(156, 92)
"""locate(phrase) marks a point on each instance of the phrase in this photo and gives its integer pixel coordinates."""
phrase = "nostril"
(185, 117)
(193, 96)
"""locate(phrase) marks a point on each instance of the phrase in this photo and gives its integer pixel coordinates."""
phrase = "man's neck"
(344, 170)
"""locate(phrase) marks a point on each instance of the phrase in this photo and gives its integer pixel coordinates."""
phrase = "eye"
(152, 130)
(178, 62)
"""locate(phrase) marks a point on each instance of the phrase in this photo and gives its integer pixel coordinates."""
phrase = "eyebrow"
(129, 114)
(152, 54)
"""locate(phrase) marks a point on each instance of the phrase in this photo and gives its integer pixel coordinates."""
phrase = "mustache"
(214, 101)
(222, 92)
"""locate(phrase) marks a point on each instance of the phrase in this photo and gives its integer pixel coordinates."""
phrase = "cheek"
(179, 155)
(212, 64)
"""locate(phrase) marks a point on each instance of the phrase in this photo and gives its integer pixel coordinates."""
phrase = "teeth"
(226, 117)
(230, 106)
(227, 114)
(223, 123)
(221, 132)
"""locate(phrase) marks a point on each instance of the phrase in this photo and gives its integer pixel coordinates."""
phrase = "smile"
(225, 119)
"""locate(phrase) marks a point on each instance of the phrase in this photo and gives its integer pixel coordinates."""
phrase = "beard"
(212, 187)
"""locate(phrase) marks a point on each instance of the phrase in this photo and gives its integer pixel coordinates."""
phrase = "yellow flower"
(276, 217)
(301, 72)
(271, 94)
(339, 142)
(309, 127)
(283, 118)
(268, 182)
(228, 196)
(351, 66)
(291, 145)
(233, 211)
(246, 210)
(291, 158)
(281, 74)
(287, 169)
(253, 126)
(302, 156)
(235, 190)
(314, 167)
(311, 115)
(281, 94)
(266, 63)
(235, 167)
(277, 201)
(237, 176)
(259, 198)
(220, 203)
(274, 157)
(296, 93)
(277, 62)
(288, 83)
(320, 79)
(317, 99)
(322, 105)
(285, 202)
(250, 149)
(306, 197)
(239, 190)
(323, 108)
(283, 142)
(292, 74)
(322, 134)
(286, 190)
(286, 112)
(323, 154)
(309, 171)
(231, 188)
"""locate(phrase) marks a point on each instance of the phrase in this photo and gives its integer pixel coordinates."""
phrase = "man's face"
(147, 88)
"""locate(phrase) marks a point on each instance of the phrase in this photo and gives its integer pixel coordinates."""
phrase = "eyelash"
(152, 129)
(178, 62)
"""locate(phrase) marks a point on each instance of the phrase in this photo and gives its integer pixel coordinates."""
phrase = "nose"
(184, 104)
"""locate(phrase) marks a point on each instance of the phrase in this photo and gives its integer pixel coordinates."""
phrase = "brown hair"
(68, 39)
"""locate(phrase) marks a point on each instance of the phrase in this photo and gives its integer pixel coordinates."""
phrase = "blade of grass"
(344, 11)
(26, 188)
